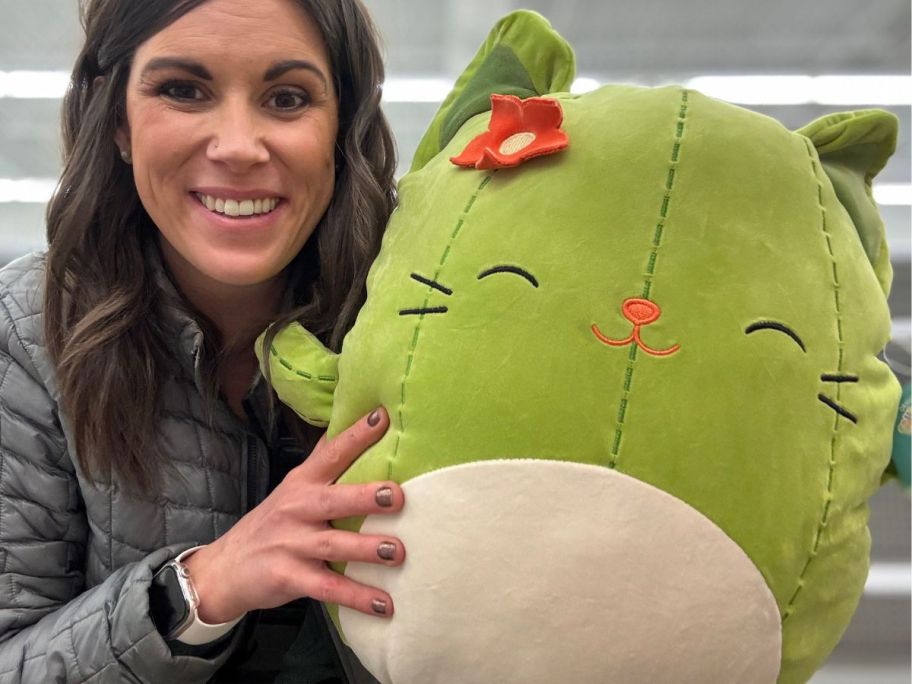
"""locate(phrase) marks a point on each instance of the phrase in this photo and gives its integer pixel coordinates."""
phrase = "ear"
(522, 56)
(853, 148)
(302, 371)
(122, 138)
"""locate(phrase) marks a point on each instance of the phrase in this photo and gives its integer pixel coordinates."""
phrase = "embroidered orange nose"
(640, 312)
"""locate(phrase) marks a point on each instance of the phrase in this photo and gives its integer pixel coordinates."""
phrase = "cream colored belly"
(535, 571)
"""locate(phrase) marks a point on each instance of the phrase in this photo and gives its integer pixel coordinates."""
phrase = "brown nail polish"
(384, 497)
(378, 606)
(374, 418)
(387, 551)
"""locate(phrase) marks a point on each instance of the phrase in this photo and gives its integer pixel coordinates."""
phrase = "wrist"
(174, 603)
(214, 604)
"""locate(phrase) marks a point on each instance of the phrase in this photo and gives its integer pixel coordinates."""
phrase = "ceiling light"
(26, 190)
(893, 194)
(33, 85)
(802, 90)
(838, 90)
(39, 190)
(416, 89)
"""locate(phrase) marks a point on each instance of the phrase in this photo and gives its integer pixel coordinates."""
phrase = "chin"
(243, 277)
(241, 271)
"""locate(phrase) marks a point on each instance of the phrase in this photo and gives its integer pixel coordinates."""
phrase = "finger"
(343, 501)
(340, 546)
(330, 587)
(332, 457)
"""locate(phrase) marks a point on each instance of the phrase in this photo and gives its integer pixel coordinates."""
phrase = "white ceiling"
(645, 41)
(650, 38)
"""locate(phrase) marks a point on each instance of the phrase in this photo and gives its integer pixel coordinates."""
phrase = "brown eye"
(289, 100)
(181, 91)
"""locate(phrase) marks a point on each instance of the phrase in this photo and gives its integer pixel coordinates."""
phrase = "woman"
(227, 166)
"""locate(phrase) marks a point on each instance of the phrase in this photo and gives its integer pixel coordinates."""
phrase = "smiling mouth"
(238, 208)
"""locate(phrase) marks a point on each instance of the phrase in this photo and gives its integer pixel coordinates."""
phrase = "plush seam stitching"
(209, 488)
(2, 469)
(840, 343)
(306, 375)
(400, 412)
(664, 209)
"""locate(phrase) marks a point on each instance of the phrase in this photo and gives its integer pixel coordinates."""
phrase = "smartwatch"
(173, 604)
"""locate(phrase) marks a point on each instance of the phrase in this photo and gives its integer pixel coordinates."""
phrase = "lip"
(222, 222)
(237, 194)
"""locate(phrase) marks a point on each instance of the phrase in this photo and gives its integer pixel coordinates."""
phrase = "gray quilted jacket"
(76, 559)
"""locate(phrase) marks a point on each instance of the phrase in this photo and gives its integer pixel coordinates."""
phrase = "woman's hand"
(278, 551)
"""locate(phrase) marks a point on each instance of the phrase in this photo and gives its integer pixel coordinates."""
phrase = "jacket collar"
(179, 319)
(190, 348)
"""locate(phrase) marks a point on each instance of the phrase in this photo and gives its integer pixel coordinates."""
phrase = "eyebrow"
(277, 70)
(160, 63)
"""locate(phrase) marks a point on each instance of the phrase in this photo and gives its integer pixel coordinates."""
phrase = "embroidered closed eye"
(776, 326)
(506, 268)
(837, 378)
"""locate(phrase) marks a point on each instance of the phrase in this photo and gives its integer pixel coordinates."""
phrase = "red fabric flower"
(519, 130)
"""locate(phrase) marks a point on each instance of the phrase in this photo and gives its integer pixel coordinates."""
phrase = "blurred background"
(794, 60)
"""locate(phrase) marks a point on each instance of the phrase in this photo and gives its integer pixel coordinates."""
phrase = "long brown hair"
(103, 305)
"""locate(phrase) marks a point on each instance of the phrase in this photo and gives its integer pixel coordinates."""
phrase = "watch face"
(167, 605)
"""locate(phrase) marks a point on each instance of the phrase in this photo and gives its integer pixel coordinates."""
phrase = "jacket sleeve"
(51, 628)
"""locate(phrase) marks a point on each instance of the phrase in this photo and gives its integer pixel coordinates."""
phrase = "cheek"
(316, 166)
(157, 132)
(158, 157)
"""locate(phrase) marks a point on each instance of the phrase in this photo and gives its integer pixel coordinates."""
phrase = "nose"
(237, 136)
(640, 311)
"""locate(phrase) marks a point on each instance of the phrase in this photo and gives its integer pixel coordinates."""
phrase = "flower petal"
(517, 130)
(506, 115)
(491, 160)
(542, 114)
(473, 151)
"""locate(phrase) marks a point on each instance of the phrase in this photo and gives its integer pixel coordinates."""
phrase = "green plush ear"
(302, 371)
(522, 56)
(853, 148)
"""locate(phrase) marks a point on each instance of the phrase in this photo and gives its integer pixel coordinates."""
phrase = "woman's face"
(232, 118)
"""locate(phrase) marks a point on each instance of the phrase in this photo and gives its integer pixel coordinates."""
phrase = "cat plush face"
(635, 379)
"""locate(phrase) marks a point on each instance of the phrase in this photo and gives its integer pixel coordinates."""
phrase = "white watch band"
(198, 632)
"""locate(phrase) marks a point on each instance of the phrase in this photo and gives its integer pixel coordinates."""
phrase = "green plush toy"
(628, 344)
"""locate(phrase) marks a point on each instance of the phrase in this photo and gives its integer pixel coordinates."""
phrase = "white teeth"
(235, 208)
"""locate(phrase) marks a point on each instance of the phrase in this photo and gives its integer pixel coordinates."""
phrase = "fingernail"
(378, 606)
(374, 418)
(386, 551)
(384, 497)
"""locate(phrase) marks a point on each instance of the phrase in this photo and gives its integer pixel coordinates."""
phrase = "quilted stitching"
(61, 534)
